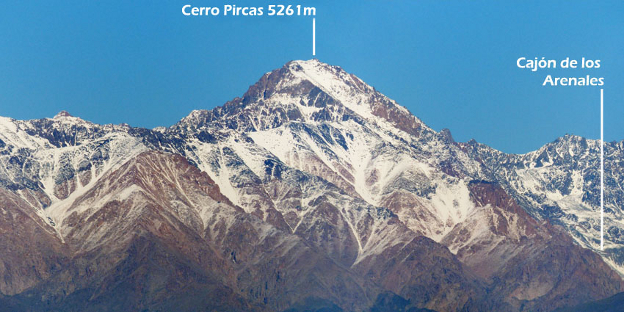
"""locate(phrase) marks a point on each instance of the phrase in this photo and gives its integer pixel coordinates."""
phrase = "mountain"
(312, 191)
(560, 182)
(612, 304)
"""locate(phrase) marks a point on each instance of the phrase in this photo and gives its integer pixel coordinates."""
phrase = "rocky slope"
(560, 182)
(312, 190)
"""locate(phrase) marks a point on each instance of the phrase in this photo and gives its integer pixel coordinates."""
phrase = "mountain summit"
(62, 114)
(308, 91)
(311, 190)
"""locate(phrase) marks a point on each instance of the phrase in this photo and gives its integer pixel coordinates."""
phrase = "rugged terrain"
(313, 190)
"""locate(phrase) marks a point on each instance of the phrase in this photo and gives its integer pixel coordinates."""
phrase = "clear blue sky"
(451, 63)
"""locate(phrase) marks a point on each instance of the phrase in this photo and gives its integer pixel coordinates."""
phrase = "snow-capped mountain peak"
(306, 91)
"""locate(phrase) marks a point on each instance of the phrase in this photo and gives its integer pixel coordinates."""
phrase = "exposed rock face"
(527, 263)
(560, 182)
(312, 190)
(31, 250)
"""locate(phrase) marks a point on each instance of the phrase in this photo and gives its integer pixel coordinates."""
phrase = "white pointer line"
(601, 169)
(314, 36)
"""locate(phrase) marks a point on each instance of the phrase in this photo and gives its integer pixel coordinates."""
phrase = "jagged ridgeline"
(312, 191)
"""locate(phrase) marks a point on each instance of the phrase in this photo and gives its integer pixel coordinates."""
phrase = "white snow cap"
(347, 88)
(333, 80)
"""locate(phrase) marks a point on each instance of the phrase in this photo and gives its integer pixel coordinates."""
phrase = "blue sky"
(451, 63)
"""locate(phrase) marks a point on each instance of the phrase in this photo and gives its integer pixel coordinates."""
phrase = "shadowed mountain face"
(311, 192)
(612, 304)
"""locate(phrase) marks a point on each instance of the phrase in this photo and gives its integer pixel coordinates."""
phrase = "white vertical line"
(314, 36)
(601, 170)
